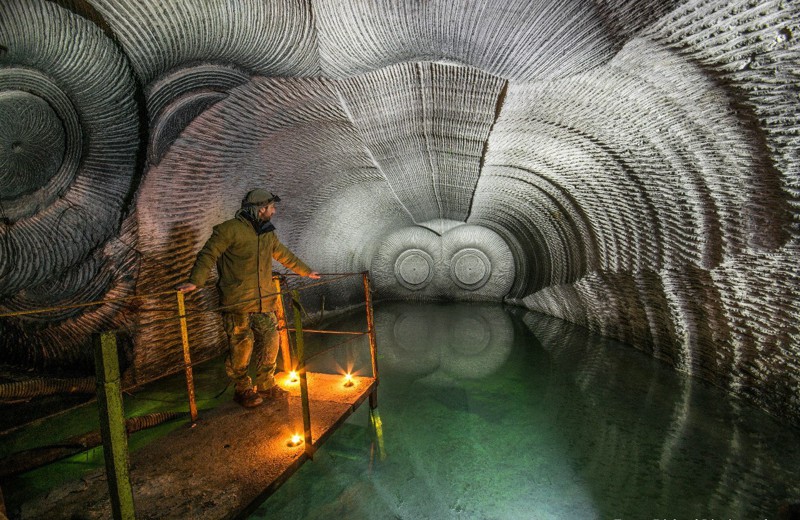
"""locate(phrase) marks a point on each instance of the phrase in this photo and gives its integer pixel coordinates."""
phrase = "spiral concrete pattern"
(268, 38)
(631, 166)
(68, 157)
(32, 143)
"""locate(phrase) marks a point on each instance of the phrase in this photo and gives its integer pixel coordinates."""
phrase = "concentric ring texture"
(630, 166)
(69, 150)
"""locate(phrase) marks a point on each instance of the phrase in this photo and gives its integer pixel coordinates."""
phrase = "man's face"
(266, 212)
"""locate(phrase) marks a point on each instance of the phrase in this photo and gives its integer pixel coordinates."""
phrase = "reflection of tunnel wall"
(629, 166)
(635, 430)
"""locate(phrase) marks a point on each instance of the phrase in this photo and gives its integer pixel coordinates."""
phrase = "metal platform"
(224, 466)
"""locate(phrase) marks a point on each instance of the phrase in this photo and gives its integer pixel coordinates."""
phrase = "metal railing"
(108, 382)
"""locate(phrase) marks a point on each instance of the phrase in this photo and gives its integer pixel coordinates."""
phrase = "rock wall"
(628, 166)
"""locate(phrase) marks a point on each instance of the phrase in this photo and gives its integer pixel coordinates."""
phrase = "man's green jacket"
(244, 265)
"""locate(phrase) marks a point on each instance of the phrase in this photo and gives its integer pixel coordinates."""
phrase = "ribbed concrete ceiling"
(631, 166)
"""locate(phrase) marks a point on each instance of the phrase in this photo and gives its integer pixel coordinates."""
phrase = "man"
(243, 248)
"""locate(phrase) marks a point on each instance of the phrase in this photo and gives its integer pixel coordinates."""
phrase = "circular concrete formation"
(40, 142)
(414, 269)
(470, 269)
(443, 259)
(69, 138)
(31, 143)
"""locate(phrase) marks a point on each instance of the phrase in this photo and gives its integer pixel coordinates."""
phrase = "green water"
(165, 395)
(493, 413)
(489, 414)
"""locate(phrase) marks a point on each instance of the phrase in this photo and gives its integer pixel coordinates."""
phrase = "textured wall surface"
(630, 166)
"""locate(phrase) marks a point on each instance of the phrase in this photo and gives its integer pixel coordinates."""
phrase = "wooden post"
(301, 371)
(283, 333)
(373, 343)
(112, 425)
(187, 358)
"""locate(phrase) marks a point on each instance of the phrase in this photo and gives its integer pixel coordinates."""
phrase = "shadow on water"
(505, 414)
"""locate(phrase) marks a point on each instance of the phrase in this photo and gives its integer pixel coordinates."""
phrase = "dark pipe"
(40, 387)
(31, 459)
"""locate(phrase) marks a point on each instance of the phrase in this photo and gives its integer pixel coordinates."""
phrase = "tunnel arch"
(637, 155)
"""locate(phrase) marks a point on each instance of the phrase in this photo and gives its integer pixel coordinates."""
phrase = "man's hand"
(186, 287)
(313, 275)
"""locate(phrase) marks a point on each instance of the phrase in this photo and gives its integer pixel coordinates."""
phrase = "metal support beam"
(373, 342)
(112, 426)
(187, 358)
(283, 332)
(301, 371)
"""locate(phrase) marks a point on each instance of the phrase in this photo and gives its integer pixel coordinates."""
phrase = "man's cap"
(259, 198)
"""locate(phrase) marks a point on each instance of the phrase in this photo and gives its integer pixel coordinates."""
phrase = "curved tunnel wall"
(628, 166)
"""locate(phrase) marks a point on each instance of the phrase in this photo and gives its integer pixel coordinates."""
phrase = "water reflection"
(495, 414)
(653, 443)
(442, 342)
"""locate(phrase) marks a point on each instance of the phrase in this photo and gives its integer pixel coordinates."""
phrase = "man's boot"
(273, 392)
(248, 398)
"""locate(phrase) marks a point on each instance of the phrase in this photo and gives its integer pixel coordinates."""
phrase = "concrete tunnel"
(629, 166)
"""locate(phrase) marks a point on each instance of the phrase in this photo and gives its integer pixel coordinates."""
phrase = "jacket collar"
(259, 226)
